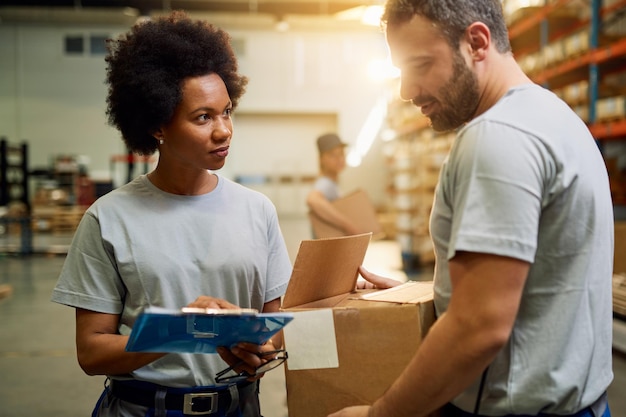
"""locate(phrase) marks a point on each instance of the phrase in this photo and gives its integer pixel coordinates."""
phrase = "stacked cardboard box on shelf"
(56, 219)
(415, 168)
(51, 211)
(414, 159)
(515, 10)
(66, 218)
(610, 108)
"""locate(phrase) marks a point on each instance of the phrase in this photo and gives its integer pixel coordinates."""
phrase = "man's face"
(334, 160)
(435, 77)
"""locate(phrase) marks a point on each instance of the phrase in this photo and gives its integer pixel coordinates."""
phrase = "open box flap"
(410, 292)
(325, 268)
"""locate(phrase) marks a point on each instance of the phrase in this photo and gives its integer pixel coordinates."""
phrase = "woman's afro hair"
(146, 68)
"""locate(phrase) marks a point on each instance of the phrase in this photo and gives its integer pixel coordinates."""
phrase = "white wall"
(57, 102)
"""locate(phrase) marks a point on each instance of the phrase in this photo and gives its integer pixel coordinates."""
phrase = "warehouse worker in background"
(332, 161)
(182, 235)
(522, 224)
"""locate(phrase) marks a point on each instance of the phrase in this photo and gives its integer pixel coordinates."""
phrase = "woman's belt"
(191, 401)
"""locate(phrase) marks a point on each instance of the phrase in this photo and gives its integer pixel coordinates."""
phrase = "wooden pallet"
(66, 219)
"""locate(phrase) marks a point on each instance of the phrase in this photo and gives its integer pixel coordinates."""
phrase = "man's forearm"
(448, 361)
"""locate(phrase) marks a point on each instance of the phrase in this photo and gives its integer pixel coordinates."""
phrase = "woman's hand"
(204, 301)
(374, 281)
(247, 357)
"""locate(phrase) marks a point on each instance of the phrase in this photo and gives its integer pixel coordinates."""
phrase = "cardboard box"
(346, 347)
(356, 206)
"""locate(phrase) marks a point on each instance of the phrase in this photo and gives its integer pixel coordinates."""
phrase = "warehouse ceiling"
(127, 11)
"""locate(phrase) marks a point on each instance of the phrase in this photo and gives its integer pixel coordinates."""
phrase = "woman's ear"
(158, 135)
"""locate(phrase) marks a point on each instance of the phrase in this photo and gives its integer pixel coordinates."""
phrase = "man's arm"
(323, 208)
(486, 295)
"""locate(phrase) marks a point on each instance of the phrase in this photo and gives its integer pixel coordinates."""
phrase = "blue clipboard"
(192, 330)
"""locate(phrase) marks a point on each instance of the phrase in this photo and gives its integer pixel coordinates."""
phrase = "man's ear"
(478, 38)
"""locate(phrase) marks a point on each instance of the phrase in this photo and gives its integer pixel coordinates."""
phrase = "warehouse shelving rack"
(541, 26)
(14, 192)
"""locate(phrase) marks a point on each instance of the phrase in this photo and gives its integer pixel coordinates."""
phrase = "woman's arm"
(101, 349)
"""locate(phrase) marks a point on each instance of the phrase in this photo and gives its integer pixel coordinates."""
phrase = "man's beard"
(459, 98)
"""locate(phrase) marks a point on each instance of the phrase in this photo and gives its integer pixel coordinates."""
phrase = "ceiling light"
(371, 15)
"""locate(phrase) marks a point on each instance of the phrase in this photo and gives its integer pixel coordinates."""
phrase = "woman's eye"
(228, 112)
(204, 117)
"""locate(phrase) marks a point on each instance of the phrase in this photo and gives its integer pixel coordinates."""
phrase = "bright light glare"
(367, 15)
(387, 135)
(353, 159)
(381, 70)
(371, 15)
(369, 132)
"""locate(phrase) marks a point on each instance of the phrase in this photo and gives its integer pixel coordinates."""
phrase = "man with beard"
(522, 225)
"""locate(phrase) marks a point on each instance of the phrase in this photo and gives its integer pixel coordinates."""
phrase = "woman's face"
(198, 136)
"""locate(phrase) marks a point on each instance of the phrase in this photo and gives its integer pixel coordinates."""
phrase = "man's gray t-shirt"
(526, 180)
(328, 187)
(139, 246)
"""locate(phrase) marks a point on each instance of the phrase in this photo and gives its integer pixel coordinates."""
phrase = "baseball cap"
(328, 142)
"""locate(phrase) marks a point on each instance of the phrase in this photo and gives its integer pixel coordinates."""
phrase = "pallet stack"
(65, 219)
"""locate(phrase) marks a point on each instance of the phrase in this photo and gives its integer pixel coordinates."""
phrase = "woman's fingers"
(205, 301)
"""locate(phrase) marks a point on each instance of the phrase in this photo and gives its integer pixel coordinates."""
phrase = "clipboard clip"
(208, 328)
(206, 331)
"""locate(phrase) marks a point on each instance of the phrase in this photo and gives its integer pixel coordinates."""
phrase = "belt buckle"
(188, 403)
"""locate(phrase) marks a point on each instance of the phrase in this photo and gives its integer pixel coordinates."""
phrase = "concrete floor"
(39, 374)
